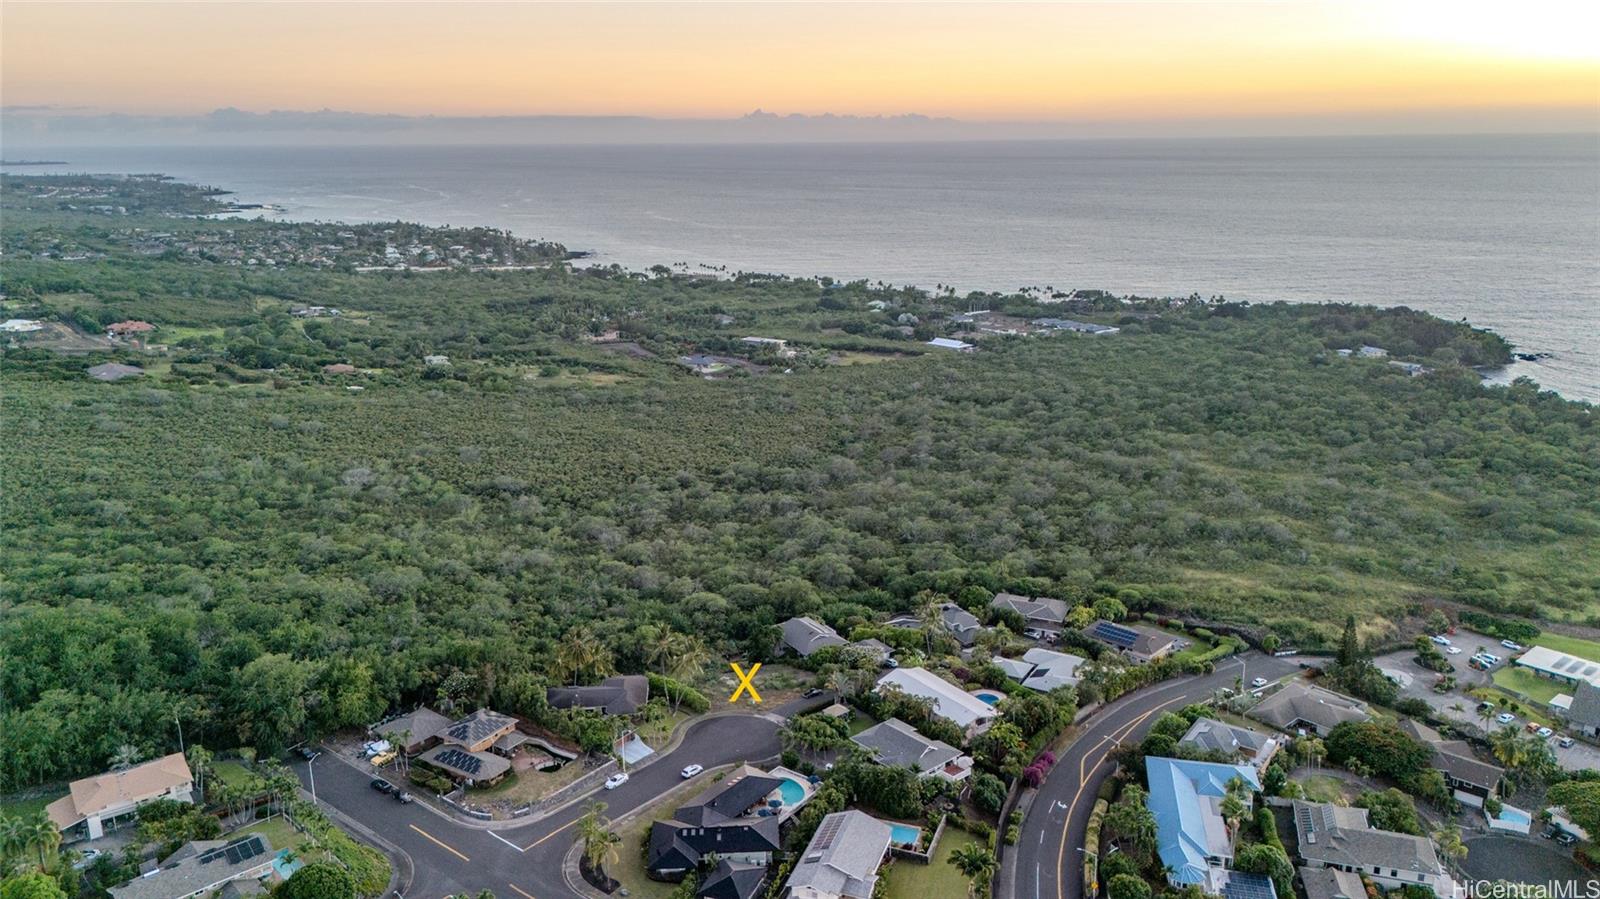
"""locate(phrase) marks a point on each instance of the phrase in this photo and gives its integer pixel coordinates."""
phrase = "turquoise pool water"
(1513, 815)
(791, 792)
(903, 834)
(989, 697)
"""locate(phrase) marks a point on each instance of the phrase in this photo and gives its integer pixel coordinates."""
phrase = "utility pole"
(311, 767)
(176, 720)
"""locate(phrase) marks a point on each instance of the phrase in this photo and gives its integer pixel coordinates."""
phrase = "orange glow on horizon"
(975, 61)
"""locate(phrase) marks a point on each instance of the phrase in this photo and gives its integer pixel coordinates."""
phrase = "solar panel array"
(1241, 885)
(1116, 634)
(235, 852)
(459, 760)
(1576, 667)
(826, 834)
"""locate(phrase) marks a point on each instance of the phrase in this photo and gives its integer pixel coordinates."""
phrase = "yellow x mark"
(744, 682)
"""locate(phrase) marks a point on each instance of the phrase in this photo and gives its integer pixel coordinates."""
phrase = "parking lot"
(1458, 705)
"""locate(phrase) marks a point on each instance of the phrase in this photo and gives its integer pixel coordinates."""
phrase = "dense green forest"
(240, 541)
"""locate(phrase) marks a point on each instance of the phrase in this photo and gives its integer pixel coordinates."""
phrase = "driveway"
(450, 856)
(1048, 856)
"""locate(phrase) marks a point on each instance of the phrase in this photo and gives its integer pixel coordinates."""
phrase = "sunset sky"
(975, 61)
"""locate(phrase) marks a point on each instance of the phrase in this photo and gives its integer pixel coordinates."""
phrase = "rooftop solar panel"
(1115, 633)
(1241, 885)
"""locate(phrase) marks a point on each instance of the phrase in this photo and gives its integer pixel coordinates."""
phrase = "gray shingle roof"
(1220, 736)
(895, 743)
(200, 865)
(1033, 608)
(1331, 834)
(806, 635)
(1299, 701)
(1585, 710)
(1328, 883)
(963, 625)
(620, 695)
(843, 856)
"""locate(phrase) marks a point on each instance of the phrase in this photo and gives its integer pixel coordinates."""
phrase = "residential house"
(733, 881)
(873, 648)
(620, 695)
(435, 360)
(1331, 836)
(1583, 715)
(733, 821)
(1558, 666)
(780, 347)
(418, 730)
(1303, 708)
(1051, 669)
(94, 804)
(20, 325)
(842, 859)
(949, 701)
(1016, 669)
(804, 636)
(1332, 883)
(702, 364)
(200, 868)
(1243, 745)
(1372, 352)
(115, 371)
(1041, 613)
(129, 330)
(1139, 644)
(1067, 324)
(338, 368)
(946, 343)
(1191, 836)
(896, 744)
(1470, 778)
(961, 624)
(476, 749)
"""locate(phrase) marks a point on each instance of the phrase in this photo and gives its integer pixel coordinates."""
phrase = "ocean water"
(1502, 231)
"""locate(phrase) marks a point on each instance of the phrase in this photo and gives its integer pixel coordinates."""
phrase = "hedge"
(678, 693)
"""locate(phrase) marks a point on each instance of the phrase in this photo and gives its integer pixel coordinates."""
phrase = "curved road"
(1049, 855)
(449, 856)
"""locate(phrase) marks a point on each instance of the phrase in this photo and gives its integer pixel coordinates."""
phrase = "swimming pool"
(904, 834)
(1513, 815)
(791, 791)
(989, 696)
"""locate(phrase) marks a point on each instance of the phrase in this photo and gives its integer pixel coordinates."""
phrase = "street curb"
(679, 734)
(395, 853)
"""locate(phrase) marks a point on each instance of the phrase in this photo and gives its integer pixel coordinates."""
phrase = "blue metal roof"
(1176, 788)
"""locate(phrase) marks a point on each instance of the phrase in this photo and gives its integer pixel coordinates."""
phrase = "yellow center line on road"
(549, 835)
(520, 891)
(1083, 781)
(438, 842)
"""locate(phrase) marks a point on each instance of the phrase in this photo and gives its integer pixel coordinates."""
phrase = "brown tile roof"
(93, 795)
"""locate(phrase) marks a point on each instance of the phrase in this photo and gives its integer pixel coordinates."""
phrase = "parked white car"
(616, 780)
(1505, 717)
(1545, 732)
(692, 770)
(1442, 641)
(1511, 645)
(1258, 683)
(1453, 650)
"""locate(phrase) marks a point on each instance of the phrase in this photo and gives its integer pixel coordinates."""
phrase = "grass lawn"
(230, 772)
(1521, 680)
(860, 721)
(909, 880)
(1322, 787)
(531, 785)
(629, 867)
(1575, 646)
(280, 833)
(23, 808)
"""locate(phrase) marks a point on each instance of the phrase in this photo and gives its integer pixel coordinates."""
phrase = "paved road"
(1049, 858)
(449, 856)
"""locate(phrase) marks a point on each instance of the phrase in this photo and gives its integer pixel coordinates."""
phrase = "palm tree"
(1449, 840)
(43, 836)
(125, 757)
(1508, 746)
(13, 837)
(932, 618)
(974, 861)
(200, 763)
(582, 654)
(838, 683)
(599, 842)
(1485, 712)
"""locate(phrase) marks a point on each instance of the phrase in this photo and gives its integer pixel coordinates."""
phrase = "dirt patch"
(626, 348)
(63, 338)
